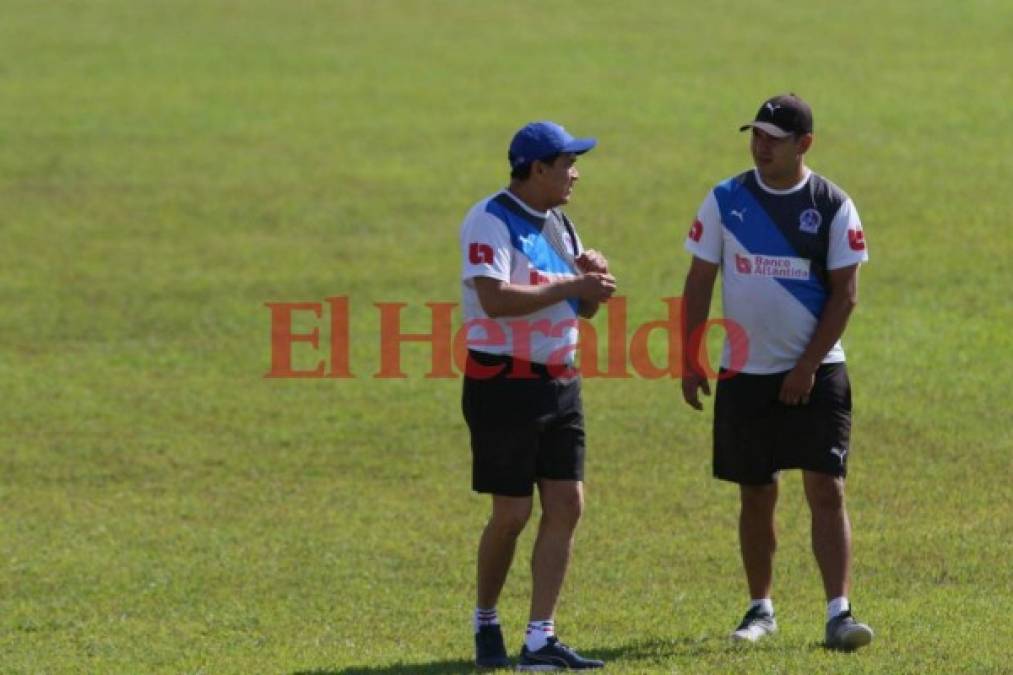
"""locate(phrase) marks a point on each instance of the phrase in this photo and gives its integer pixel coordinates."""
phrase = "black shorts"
(522, 429)
(755, 435)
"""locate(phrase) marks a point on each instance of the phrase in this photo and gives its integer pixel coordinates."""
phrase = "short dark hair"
(523, 171)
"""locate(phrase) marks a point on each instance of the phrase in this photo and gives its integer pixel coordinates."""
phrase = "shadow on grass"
(654, 650)
(452, 666)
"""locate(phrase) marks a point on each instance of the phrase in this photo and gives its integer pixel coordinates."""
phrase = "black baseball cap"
(782, 116)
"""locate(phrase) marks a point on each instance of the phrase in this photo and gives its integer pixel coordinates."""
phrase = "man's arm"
(696, 303)
(842, 301)
(499, 298)
(590, 261)
(586, 309)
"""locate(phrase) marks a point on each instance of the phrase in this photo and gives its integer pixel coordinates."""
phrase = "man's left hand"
(592, 261)
(797, 386)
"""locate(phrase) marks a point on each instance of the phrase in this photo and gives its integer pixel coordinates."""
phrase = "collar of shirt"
(538, 214)
(794, 188)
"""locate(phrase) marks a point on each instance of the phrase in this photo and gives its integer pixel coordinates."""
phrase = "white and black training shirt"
(775, 249)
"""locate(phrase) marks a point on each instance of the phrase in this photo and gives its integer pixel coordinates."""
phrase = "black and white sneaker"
(555, 656)
(490, 652)
(846, 634)
(756, 624)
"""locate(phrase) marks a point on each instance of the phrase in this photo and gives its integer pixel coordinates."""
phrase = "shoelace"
(753, 615)
(566, 648)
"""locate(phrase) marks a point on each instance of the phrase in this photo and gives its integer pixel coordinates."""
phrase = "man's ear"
(805, 143)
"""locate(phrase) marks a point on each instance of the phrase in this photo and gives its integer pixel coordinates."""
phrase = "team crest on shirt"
(809, 221)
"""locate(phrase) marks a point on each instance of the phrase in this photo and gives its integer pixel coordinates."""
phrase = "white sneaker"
(846, 634)
(755, 624)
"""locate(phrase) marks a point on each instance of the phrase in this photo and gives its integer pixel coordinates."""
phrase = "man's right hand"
(595, 286)
(691, 383)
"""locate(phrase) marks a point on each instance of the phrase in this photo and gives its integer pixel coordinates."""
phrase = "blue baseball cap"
(539, 140)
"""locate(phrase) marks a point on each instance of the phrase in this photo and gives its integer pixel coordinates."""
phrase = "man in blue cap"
(526, 279)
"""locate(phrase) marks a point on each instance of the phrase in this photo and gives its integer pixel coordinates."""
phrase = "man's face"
(777, 157)
(556, 180)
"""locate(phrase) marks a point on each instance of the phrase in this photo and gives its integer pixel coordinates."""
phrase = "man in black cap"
(788, 244)
(525, 280)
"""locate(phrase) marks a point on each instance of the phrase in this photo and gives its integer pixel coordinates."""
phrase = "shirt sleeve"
(847, 239)
(485, 247)
(704, 239)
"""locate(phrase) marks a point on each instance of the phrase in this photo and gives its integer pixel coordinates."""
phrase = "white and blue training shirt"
(503, 238)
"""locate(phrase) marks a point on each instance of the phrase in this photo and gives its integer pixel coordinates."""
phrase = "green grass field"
(168, 168)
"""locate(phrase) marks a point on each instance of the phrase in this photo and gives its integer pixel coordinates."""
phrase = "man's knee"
(510, 515)
(824, 492)
(758, 497)
(562, 502)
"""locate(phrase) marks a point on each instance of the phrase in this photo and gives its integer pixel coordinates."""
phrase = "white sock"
(836, 606)
(765, 604)
(538, 634)
(485, 617)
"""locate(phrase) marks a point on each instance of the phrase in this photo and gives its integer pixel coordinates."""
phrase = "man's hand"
(595, 286)
(691, 382)
(797, 385)
(592, 261)
(696, 296)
